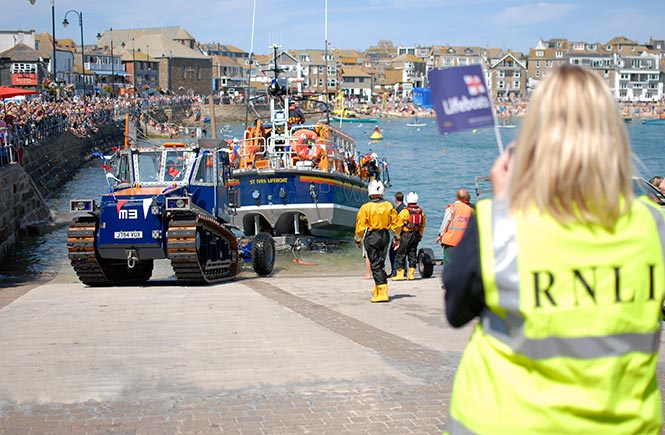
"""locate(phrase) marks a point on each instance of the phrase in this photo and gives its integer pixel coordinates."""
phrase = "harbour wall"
(44, 168)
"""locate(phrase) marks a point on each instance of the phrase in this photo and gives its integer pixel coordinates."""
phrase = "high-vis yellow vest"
(569, 341)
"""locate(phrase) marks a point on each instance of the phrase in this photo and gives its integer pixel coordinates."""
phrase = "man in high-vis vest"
(455, 220)
(565, 268)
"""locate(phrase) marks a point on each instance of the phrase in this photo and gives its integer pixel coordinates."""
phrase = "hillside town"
(170, 60)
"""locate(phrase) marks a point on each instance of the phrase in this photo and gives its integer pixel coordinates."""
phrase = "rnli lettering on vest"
(455, 105)
(584, 287)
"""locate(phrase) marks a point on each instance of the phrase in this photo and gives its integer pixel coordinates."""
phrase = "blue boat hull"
(297, 201)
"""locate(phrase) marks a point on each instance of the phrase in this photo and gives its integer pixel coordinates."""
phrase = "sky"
(301, 24)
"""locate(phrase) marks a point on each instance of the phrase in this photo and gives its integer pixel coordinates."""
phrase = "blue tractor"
(166, 201)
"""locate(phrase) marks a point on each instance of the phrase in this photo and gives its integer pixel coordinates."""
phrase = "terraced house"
(633, 71)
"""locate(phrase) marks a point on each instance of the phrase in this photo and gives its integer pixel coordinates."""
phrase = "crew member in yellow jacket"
(373, 222)
(565, 268)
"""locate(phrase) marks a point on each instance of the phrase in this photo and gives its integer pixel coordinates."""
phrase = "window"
(559, 54)
(500, 84)
(516, 84)
(184, 71)
(537, 73)
(501, 74)
(517, 74)
(198, 72)
(24, 68)
(539, 53)
(537, 64)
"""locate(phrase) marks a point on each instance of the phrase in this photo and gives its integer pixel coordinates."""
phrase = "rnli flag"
(460, 98)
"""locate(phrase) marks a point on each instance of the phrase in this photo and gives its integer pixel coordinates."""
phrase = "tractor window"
(206, 170)
(122, 173)
(149, 167)
(175, 166)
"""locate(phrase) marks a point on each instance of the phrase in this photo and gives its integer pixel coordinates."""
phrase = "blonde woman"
(565, 269)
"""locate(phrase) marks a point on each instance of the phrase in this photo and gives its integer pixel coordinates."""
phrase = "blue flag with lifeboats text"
(460, 98)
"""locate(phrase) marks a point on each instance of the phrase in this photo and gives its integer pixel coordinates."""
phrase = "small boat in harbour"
(415, 123)
(345, 119)
(659, 121)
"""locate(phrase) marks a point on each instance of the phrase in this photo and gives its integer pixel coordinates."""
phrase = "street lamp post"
(55, 70)
(122, 44)
(65, 23)
(53, 63)
(112, 67)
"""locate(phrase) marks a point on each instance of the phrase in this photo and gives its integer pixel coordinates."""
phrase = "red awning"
(9, 92)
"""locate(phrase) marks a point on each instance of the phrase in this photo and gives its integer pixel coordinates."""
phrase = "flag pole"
(499, 141)
(497, 133)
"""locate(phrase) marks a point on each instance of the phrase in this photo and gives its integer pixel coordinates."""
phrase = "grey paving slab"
(288, 354)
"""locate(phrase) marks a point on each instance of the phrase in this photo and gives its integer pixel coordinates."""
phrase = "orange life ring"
(306, 144)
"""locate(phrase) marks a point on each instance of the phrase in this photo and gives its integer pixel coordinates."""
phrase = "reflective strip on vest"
(455, 427)
(510, 330)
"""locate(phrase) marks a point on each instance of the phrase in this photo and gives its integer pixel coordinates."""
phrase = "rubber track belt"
(81, 251)
(185, 259)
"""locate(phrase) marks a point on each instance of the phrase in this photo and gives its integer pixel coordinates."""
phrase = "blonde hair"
(572, 156)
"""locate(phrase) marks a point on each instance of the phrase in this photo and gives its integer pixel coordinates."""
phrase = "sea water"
(419, 160)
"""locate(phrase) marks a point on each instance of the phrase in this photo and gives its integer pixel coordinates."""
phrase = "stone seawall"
(46, 166)
(22, 205)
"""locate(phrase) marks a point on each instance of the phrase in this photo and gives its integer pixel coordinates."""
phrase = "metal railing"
(15, 137)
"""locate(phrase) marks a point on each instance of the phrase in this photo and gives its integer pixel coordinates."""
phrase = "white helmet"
(412, 198)
(375, 187)
(374, 156)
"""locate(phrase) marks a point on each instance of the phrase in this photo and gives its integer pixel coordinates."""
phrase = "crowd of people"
(32, 120)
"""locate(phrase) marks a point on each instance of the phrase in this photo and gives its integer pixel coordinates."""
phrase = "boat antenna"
(249, 78)
(325, 60)
(275, 69)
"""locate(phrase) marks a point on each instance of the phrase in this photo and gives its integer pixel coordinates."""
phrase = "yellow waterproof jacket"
(568, 341)
(377, 214)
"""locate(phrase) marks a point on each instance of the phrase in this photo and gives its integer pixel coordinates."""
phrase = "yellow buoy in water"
(376, 134)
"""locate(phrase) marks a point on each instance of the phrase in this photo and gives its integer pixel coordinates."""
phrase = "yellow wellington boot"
(382, 293)
(375, 292)
(399, 276)
(411, 274)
